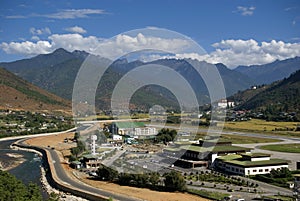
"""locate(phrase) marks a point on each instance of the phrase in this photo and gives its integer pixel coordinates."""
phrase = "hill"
(18, 94)
(279, 97)
(268, 73)
(56, 73)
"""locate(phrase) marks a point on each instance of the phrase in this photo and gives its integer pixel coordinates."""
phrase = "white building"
(249, 164)
(224, 103)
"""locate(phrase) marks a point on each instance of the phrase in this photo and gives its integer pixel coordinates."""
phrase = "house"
(224, 103)
(76, 165)
(249, 163)
(132, 129)
(91, 161)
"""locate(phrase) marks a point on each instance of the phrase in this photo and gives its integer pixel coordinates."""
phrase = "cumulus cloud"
(248, 52)
(76, 29)
(230, 52)
(27, 47)
(245, 11)
(35, 31)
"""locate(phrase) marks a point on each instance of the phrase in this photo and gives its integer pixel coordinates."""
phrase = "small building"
(91, 161)
(224, 103)
(76, 165)
(249, 164)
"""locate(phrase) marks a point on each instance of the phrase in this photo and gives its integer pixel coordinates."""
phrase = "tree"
(107, 173)
(76, 136)
(174, 181)
(154, 178)
(13, 189)
(75, 151)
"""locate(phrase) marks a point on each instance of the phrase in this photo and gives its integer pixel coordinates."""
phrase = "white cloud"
(35, 38)
(35, 31)
(248, 52)
(76, 29)
(63, 14)
(245, 11)
(230, 52)
(15, 16)
(27, 47)
(74, 13)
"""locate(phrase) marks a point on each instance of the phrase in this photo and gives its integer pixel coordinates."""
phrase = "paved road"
(61, 174)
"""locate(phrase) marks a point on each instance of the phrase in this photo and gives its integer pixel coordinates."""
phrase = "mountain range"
(16, 93)
(56, 73)
(268, 73)
(280, 96)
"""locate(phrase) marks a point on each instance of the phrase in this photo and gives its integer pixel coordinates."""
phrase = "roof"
(216, 149)
(90, 156)
(229, 157)
(257, 163)
(256, 155)
(129, 124)
(76, 162)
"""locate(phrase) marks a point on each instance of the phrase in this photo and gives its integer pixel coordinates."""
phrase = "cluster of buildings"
(136, 130)
(223, 156)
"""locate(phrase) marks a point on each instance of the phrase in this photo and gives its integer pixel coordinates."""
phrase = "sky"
(233, 32)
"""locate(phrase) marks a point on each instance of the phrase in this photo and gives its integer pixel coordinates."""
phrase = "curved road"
(64, 178)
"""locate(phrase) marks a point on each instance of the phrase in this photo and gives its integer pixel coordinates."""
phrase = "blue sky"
(233, 32)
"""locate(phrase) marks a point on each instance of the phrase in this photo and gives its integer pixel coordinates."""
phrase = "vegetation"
(290, 148)
(24, 91)
(237, 139)
(14, 123)
(166, 135)
(12, 189)
(259, 125)
(218, 178)
(79, 149)
(173, 181)
(276, 177)
(276, 102)
(208, 194)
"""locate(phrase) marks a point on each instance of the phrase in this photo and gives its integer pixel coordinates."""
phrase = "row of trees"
(171, 181)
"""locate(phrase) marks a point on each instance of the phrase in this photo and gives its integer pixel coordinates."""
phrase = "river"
(27, 164)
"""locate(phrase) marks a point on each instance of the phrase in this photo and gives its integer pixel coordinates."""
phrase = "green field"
(289, 148)
(260, 125)
(237, 139)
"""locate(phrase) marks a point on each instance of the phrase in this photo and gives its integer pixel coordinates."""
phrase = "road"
(62, 175)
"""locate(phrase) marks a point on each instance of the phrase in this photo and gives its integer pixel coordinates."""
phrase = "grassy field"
(236, 139)
(290, 148)
(258, 125)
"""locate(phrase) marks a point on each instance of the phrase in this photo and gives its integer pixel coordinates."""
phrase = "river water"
(28, 171)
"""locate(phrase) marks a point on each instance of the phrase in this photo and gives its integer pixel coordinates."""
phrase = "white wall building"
(249, 164)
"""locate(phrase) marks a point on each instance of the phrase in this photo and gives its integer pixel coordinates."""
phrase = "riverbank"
(6, 165)
(46, 187)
